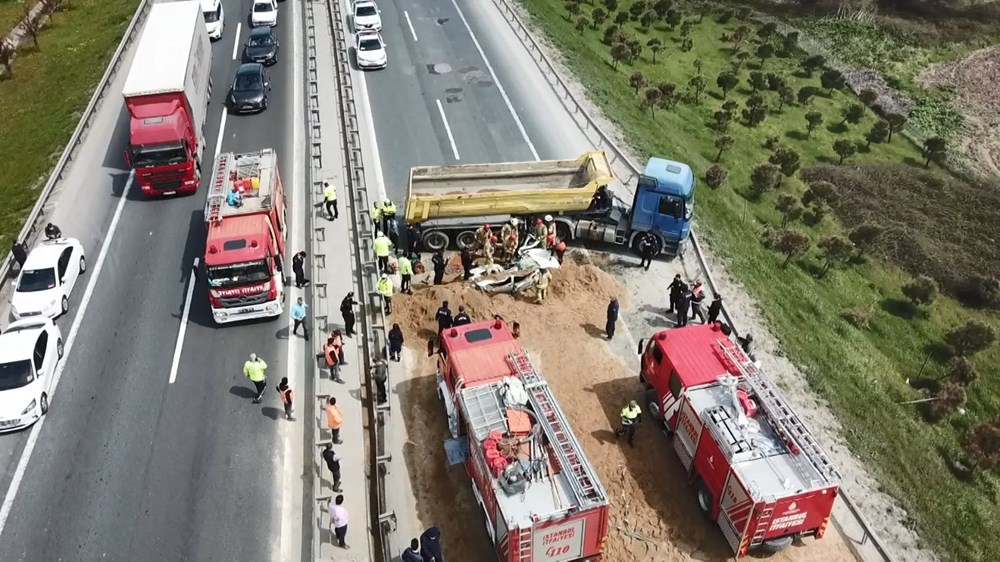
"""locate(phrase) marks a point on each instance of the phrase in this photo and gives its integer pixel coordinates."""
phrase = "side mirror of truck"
(128, 158)
(639, 350)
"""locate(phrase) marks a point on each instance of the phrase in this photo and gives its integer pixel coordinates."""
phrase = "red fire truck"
(245, 247)
(541, 498)
(759, 472)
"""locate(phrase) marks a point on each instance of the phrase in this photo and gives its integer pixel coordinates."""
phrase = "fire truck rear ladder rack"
(579, 472)
(780, 413)
(246, 165)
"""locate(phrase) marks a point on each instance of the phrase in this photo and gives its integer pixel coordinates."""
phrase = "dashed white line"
(222, 131)
(236, 40)
(503, 93)
(447, 129)
(184, 323)
(410, 23)
(95, 273)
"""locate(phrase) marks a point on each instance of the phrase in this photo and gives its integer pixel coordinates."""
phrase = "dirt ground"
(654, 514)
(975, 79)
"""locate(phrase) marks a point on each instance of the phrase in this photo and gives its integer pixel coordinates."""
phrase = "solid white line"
(366, 117)
(503, 93)
(447, 129)
(410, 23)
(184, 323)
(95, 273)
(222, 131)
(236, 40)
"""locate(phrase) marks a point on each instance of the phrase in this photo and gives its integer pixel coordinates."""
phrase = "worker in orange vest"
(334, 419)
(334, 355)
(285, 393)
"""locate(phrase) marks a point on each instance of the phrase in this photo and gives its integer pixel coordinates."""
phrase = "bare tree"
(983, 445)
(30, 25)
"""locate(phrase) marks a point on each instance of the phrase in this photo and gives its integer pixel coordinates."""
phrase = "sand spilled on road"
(654, 514)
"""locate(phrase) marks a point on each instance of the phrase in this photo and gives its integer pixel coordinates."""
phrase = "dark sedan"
(261, 47)
(249, 91)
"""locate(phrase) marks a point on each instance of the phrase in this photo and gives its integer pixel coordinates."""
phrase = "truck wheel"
(435, 240)
(563, 232)
(466, 240)
(776, 545)
(705, 499)
(653, 405)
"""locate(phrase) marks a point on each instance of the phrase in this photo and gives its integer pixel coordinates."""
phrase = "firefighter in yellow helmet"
(631, 417)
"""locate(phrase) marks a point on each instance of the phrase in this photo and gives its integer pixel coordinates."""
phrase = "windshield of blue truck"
(671, 206)
(158, 155)
(221, 276)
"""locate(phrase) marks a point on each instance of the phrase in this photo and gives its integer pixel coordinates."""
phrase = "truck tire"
(435, 241)
(705, 499)
(466, 240)
(653, 405)
(776, 545)
(563, 231)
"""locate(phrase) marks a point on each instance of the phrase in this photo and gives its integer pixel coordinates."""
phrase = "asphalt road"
(127, 466)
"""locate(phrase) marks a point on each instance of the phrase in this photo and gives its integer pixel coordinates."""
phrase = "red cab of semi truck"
(245, 245)
(758, 471)
(541, 498)
(167, 93)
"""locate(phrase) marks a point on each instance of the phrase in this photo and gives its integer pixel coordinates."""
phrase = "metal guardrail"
(620, 161)
(31, 225)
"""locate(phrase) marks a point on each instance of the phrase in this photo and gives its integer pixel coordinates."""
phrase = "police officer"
(384, 288)
(347, 311)
(443, 317)
(395, 342)
(466, 264)
(438, 260)
(254, 369)
(647, 247)
(715, 308)
(462, 318)
(381, 246)
(631, 417)
(675, 291)
(612, 319)
(405, 274)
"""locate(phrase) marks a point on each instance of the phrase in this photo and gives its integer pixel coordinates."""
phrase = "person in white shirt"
(338, 520)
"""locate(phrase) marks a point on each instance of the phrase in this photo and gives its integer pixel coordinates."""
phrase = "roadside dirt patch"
(654, 513)
(976, 82)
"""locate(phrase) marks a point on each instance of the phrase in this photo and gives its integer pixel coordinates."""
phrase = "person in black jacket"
(443, 317)
(20, 253)
(462, 318)
(466, 263)
(430, 545)
(347, 310)
(395, 342)
(675, 290)
(609, 326)
(683, 306)
(715, 309)
(52, 232)
(438, 261)
(412, 554)
(299, 268)
(647, 250)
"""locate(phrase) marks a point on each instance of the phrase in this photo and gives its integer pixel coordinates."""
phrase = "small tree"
(970, 338)
(634, 49)
(764, 177)
(697, 64)
(864, 237)
(867, 97)
(598, 16)
(672, 18)
(730, 105)
(741, 59)
(7, 53)
(980, 291)
(722, 119)
(774, 82)
(610, 5)
(669, 94)
(687, 44)
(739, 35)
(716, 175)
(757, 81)
(812, 63)
(961, 371)
(764, 52)
(786, 159)
(878, 133)
(934, 148)
(834, 250)
(820, 193)
(806, 94)
(686, 27)
(572, 7)
(646, 19)
(785, 95)
(789, 42)
(30, 26)
(636, 80)
(947, 400)
(726, 81)
(813, 119)
(792, 244)
(612, 34)
(697, 85)
(832, 80)
(655, 46)
(896, 122)
(852, 113)
(660, 8)
(844, 148)
(651, 100)
(723, 143)
(582, 23)
(621, 18)
(755, 112)
(920, 290)
(637, 9)
(789, 208)
(619, 52)
(983, 445)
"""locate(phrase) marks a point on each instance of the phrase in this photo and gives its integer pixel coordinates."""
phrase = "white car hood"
(368, 21)
(264, 17)
(13, 402)
(371, 56)
(37, 301)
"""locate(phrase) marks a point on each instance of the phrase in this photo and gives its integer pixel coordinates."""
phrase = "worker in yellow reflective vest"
(388, 214)
(330, 197)
(376, 214)
(631, 417)
(405, 274)
(384, 288)
(382, 245)
(254, 369)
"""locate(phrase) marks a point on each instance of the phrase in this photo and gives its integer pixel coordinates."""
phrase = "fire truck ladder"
(766, 513)
(780, 413)
(524, 551)
(579, 472)
(217, 190)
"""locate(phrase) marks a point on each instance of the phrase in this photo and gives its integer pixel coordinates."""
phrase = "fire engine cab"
(245, 246)
(758, 471)
(541, 498)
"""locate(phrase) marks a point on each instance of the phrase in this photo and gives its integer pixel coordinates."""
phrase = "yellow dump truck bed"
(514, 188)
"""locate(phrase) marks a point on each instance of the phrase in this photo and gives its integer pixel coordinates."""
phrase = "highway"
(128, 466)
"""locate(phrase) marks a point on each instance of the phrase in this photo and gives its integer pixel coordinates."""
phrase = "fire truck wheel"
(776, 545)
(653, 406)
(705, 499)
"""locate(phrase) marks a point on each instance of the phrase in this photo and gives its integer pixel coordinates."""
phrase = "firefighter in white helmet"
(631, 417)
(550, 233)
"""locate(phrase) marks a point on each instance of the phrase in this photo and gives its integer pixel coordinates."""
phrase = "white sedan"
(264, 12)
(370, 50)
(47, 279)
(29, 351)
(366, 16)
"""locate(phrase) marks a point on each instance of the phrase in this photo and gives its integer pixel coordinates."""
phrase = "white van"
(215, 18)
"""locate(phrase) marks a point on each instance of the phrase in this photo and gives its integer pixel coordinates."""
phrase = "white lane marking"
(95, 273)
(222, 131)
(410, 23)
(503, 93)
(236, 40)
(184, 323)
(366, 117)
(447, 129)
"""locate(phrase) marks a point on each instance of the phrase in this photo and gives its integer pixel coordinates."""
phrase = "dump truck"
(245, 247)
(758, 471)
(167, 92)
(449, 203)
(540, 496)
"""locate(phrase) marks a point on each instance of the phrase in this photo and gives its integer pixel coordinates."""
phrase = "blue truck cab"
(663, 204)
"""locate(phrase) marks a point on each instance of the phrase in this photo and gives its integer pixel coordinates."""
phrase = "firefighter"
(543, 286)
(631, 417)
(382, 244)
(384, 288)
(540, 232)
(508, 229)
(488, 251)
(388, 214)
(510, 246)
(746, 343)
(550, 232)
(559, 250)
(483, 235)
(405, 274)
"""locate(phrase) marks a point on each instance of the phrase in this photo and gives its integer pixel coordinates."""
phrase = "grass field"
(862, 373)
(41, 103)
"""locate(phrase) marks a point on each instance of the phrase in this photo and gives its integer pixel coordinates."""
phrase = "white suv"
(30, 349)
(215, 18)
